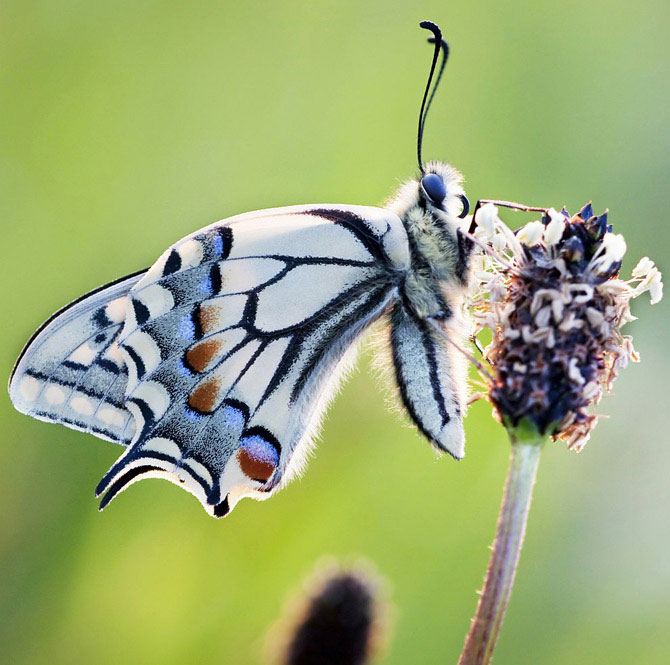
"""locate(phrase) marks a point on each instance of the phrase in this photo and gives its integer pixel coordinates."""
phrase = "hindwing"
(431, 376)
(234, 339)
(72, 371)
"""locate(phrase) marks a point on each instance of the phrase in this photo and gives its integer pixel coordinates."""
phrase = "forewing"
(431, 376)
(72, 371)
(235, 338)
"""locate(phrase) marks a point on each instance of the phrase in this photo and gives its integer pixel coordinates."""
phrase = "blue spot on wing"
(233, 418)
(217, 244)
(184, 371)
(192, 416)
(260, 449)
(206, 285)
(187, 328)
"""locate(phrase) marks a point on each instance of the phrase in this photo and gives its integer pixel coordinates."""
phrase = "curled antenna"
(440, 45)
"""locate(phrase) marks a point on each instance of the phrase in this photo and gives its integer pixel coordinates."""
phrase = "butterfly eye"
(434, 187)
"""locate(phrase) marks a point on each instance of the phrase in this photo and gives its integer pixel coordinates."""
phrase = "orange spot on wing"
(201, 355)
(208, 318)
(254, 468)
(204, 398)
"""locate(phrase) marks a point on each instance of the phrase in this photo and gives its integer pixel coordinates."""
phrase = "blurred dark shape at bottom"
(337, 620)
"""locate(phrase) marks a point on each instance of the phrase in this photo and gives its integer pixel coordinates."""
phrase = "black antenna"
(440, 45)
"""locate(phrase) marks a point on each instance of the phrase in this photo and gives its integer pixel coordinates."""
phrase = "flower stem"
(486, 624)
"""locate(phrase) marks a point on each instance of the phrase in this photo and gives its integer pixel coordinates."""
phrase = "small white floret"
(499, 242)
(652, 276)
(554, 230)
(614, 245)
(644, 265)
(574, 373)
(656, 290)
(543, 317)
(531, 233)
(594, 316)
(487, 217)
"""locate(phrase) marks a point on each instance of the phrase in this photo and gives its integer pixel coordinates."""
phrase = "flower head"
(552, 298)
(338, 619)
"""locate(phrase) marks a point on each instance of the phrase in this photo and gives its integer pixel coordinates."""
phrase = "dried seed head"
(555, 306)
(339, 619)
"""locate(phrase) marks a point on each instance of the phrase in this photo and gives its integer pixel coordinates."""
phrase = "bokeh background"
(126, 125)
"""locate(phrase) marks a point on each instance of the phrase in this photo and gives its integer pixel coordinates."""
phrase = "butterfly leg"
(511, 205)
(434, 322)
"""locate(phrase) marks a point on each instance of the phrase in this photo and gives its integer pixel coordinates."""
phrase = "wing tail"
(141, 464)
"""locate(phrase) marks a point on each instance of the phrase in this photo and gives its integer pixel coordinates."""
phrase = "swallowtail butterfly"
(213, 366)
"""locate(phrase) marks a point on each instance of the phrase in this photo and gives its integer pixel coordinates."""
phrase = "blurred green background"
(126, 125)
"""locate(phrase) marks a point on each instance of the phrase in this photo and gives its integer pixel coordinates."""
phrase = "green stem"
(485, 627)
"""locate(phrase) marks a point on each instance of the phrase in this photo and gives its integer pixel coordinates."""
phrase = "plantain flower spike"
(340, 618)
(551, 296)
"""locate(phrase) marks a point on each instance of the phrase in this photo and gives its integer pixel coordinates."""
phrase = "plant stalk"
(486, 624)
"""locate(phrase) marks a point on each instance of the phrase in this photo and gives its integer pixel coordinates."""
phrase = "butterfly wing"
(431, 376)
(72, 372)
(234, 341)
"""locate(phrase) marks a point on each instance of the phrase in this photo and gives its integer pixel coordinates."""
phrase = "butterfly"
(214, 366)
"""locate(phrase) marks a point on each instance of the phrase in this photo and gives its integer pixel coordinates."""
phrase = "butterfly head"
(440, 189)
(437, 193)
(441, 186)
